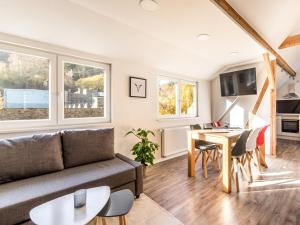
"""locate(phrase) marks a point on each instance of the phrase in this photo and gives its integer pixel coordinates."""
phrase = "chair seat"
(119, 204)
(204, 145)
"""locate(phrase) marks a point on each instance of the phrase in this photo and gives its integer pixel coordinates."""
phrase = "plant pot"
(144, 170)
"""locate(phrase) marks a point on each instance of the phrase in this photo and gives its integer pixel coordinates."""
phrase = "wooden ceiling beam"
(269, 70)
(290, 41)
(253, 33)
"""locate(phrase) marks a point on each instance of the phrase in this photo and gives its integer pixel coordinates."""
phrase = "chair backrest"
(261, 136)
(240, 146)
(195, 127)
(207, 125)
(251, 142)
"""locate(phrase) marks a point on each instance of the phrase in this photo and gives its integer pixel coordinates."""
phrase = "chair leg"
(249, 168)
(203, 158)
(214, 155)
(197, 157)
(258, 160)
(121, 221)
(262, 158)
(103, 221)
(219, 177)
(125, 220)
(204, 164)
(209, 152)
(245, 175)
(235, 164)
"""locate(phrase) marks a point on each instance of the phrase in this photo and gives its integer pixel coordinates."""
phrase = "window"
(188, 103)
(25, 83)
(168, 97)
(31, 93)
(177, 98)
(84, 88)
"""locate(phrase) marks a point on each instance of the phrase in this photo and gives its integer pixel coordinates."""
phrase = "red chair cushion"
(260, 140)
(217, 124)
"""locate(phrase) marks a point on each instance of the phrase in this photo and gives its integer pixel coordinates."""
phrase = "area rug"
(145, 211)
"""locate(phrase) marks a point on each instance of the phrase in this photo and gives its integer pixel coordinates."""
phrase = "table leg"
(226, 180)
(191, 156)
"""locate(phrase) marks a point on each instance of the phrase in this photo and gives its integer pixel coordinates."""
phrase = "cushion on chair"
(18, 198)
(30, 156)
(204, 145)
(87, 146)
(261, 136)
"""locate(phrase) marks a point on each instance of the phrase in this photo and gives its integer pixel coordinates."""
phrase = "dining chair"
(237, 154)
(208, 150)
(260, 142)
(252, 152)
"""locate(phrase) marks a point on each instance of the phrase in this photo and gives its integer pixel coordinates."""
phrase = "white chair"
(251, 148)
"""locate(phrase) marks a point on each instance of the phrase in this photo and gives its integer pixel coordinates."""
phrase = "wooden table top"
(219, 132)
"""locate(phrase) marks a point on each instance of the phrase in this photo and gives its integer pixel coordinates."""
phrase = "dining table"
(224, 137)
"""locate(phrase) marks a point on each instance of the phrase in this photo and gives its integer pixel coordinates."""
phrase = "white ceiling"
(274, 20)
(164, 39)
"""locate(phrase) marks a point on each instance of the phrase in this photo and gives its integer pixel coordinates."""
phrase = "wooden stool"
(119, 205)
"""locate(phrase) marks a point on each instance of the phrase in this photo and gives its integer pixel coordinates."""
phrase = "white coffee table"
(61, 211)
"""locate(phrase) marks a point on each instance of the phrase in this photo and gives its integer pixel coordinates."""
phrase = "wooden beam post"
(269, 70)
(273, 112)
(258, 101)
(253, 33)
(290, 41)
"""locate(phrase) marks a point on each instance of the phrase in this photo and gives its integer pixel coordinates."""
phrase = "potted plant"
(143, 150)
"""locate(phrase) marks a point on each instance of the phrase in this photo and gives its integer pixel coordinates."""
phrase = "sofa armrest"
(139, 173)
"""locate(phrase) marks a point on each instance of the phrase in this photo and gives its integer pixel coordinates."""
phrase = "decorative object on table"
(137, 87)
(143, 150)
(79, 198)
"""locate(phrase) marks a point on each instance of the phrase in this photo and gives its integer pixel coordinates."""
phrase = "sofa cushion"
(87, 146)
(18, 198)
(30, 156)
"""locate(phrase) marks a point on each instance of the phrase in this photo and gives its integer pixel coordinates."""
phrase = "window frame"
(107, 93)
(56, 78)
(178, 114)
(8, 124)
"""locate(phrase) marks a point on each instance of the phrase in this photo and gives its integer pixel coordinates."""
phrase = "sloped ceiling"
(165, 39)
(274, 20)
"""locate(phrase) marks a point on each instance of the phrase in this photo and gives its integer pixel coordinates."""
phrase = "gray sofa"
(39, 168)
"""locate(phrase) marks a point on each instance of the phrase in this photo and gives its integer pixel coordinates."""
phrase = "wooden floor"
(273, 198)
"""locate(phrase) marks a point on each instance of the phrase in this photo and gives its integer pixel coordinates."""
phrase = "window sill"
(177, 119)
(55, 128)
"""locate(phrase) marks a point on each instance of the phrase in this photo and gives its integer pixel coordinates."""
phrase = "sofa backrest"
(87, 146)
(30, 156)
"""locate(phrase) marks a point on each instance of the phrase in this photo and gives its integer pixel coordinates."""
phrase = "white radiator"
(174, 140)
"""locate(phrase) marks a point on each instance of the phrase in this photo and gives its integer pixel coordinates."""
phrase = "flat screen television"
(242, 82)
(288, 106)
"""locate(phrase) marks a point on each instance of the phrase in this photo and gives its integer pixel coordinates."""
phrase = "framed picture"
(137, 87)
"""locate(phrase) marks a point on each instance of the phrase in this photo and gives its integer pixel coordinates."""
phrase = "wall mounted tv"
(242, 82)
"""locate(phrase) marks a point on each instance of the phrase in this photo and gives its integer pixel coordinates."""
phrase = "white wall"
(240, 112)
(284, 88)
(126, 112)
